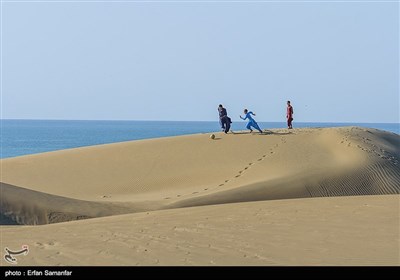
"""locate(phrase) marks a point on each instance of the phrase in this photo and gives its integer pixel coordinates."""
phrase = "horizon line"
(131, 120)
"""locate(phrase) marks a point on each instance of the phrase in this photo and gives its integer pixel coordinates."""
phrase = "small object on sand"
(212, 136)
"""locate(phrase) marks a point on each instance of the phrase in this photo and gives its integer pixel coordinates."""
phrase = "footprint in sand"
(264, 156)
(167, 198)
(46, 245)
(220, 185)
(246, 168)
(194, 192)
(250, 163)
(260, 159)
(226, 181)
(178, 195)
(206, 189)
(237, 176)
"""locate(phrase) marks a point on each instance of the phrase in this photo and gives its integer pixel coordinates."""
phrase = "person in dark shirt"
(289, 115)
(224, 120)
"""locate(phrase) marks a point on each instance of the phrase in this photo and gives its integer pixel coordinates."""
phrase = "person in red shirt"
(289, 115)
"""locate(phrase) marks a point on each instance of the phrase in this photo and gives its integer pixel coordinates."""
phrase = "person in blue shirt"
(252, 122)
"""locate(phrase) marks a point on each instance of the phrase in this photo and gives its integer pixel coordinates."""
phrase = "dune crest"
(321, 196)
(194, 170)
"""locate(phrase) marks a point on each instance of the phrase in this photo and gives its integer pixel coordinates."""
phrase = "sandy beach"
(309, 196)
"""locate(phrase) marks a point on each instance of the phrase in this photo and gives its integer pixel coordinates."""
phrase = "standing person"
(289, 115)
(252, 122)
(224, 120)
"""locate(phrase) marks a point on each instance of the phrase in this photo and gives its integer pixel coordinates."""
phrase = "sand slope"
(194, 170)
(305, 197)
(32, 207)
(361, 230)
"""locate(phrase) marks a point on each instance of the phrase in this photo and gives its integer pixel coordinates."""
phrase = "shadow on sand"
(265, 132)
(269, 132)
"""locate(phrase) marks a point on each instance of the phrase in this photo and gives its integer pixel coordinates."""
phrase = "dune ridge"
(25, 206)
(317, 196)
(193, 170)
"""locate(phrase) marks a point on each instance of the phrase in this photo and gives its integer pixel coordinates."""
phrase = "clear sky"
(336, 61)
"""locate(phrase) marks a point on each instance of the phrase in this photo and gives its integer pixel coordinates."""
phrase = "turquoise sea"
(24, 137)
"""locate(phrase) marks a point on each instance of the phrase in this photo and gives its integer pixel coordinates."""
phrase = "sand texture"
(311, 196)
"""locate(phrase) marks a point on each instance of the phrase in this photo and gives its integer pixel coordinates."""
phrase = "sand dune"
(254, 199)
(194, 170)
(32, 207)
(359, 230)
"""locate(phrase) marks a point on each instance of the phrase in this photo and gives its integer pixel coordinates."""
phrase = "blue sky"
(336, 62)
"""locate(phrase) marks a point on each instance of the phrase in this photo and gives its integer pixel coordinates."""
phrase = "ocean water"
(24, 137)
